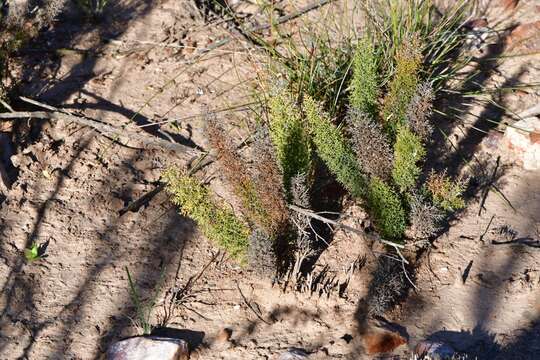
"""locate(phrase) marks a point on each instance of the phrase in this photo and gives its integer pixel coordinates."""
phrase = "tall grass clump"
(438, 29)
(334, 149)
(217, 223)
(289, 136)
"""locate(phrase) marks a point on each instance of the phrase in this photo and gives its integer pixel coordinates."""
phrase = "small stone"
(476, 23)
(149, 348)
(224, 335)
(294, 354)
(434, 350)
(524, 36)
(523, 140)
(382, 342)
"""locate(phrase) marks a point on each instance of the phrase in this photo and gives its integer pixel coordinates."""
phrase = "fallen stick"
(254, 29)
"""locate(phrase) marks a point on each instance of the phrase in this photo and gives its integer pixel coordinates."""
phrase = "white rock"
(149, 348)
(294, 354)
(523, 139)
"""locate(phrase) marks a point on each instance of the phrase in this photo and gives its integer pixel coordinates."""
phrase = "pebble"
(523, 140)
(149, 348)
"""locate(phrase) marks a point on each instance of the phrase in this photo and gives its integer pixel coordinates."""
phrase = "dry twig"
(117, 133)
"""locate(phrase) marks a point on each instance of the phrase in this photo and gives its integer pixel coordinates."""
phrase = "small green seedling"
(35, 251)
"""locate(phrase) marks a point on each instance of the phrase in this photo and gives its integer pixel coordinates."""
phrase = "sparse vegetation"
(93, 8)
(143, 308)
(445, 192)
(35, 251)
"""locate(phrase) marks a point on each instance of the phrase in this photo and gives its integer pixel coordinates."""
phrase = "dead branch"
(316, 216)
(119, 134)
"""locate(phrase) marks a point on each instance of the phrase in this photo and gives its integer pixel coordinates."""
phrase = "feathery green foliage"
(445, 192)
(364, 81)
(408, 151)
(386, 209)
(402, 88)
(333, 149)
(218, 224)
(290, 139)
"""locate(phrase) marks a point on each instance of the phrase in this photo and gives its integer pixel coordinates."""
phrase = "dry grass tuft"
(425, 218)
(236, 173)
(386, 287)
(268, 182)
(370, 145)
(261, 254)
(420, 110)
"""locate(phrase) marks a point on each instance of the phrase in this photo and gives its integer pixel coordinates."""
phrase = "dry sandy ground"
(478, 285)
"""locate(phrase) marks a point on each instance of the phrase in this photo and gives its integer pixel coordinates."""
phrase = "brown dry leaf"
(382, 342)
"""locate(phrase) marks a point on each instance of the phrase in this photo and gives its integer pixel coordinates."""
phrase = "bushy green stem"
(364, 82)
(386, 209)
(402, 88)
(288, 134)
(333, 149)
(408, 151)
(218, 224)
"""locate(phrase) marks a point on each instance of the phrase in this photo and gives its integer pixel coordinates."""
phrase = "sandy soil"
(478, 284)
